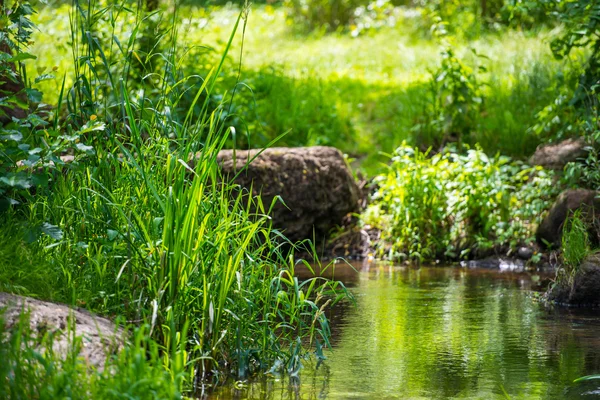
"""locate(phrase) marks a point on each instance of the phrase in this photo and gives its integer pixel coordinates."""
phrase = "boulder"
(557, 155)
(583, 290)
(550, 230)
(315, 184)
(99, 335)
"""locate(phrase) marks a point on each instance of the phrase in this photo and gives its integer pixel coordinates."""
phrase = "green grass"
(451, 206)
(32, 369)
(135, 228)
(363, 94)
(575, 247)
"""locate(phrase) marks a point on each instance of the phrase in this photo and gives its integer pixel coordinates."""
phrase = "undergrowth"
(140, 224)
(454, 206)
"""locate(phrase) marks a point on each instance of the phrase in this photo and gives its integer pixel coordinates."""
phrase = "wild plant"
(456, 98)
(575, 247)
(29, 144)
(147, 228)
(452, 206)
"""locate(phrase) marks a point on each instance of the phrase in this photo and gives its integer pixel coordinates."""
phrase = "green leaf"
(44, 77)
(112, 234)
(19, 181)
(86, 149)
(34, 95)
(13, 135)
(22, 57)
(52, 230)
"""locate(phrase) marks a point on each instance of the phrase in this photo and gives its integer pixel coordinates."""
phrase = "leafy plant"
(456, 96)
(575, 247)
(450, 206)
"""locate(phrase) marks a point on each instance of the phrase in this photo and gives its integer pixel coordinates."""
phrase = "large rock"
(556, 156)
(584, 289)
(99, 336)
(314, 182)
(550, 230)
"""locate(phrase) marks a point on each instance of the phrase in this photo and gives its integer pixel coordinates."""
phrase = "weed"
(449, 206)
(142, 225)
(575, 247)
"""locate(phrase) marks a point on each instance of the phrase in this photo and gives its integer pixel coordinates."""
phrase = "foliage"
(573, 108)
(29, 145)
(449, 206)
(581, 19)
(321, 14)
(363, 94)
(472, 18)
(374, 16)
(456, 96)
(575, 246)
(141, 224)
(277, 104)
(33, 368)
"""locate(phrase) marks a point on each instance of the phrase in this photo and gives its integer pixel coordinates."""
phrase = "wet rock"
(314, 182)
(99, 336)
(584, 290)
(524, 253)
(502, 264)
(550, 230)
(556, 156)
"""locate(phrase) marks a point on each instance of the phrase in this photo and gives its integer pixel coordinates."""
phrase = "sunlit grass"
(362, 94)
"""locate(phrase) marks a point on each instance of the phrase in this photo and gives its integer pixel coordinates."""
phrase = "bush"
(450, 206)
(456, 98)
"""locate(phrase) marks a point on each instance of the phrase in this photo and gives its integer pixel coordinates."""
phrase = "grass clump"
(575, 247)
(142, 226)
(454, 206)
(33, 367)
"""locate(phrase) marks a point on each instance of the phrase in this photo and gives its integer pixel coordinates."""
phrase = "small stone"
(525, 253)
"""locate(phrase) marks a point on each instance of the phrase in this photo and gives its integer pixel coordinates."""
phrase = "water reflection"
(443, 333)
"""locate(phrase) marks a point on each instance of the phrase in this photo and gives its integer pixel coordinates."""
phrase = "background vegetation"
(141, 96)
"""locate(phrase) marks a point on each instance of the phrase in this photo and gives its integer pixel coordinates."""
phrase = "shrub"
(451, 205)
(456, 98)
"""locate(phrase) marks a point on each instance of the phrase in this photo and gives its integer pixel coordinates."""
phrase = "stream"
(445, 333)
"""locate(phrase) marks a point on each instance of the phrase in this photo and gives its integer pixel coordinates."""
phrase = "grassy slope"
(362, 94)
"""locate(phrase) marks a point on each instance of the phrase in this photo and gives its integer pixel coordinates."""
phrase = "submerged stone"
(315, 184)
(525, 253)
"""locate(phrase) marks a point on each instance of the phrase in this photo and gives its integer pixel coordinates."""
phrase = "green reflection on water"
(444, 333)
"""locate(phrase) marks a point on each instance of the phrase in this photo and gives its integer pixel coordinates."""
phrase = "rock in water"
(550, 230)
(584, 290)
(100, 337)
(556, 156)
(315, 184)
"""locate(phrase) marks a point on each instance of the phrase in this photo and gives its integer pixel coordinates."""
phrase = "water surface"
(446, 333)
